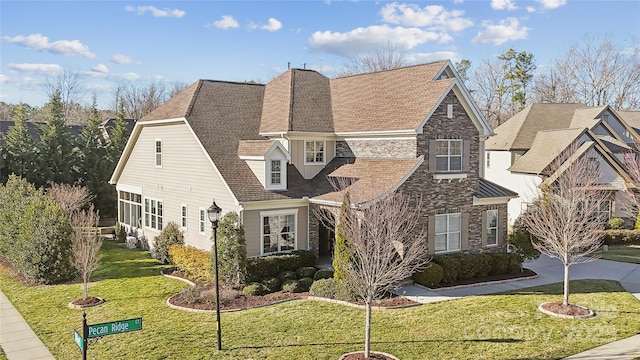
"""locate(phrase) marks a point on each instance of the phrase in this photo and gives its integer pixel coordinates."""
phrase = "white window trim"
(156, 153)
(324, 152)
(202, 223)
(449, 232)
(264, 214)
(131, 205)
(449, 156)
(184, 216)
(449, 111)
(144, 212)
(283, 175)
(496, 227)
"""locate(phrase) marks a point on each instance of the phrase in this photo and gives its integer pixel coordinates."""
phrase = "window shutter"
(484, 229)
(432, 157)
(466, 155)
(464, 234)
(432, 234)
(499, 229)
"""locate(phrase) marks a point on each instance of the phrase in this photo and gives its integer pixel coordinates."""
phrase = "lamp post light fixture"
(214, 216)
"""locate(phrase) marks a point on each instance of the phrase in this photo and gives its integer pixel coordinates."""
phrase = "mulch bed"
(91, 300)
(372, 356)
(523, 274)
(570, 309)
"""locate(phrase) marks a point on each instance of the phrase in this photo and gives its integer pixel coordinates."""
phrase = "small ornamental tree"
(232, 251)
(566, 218)
(387, 244)
(631, 203)
(85, 244)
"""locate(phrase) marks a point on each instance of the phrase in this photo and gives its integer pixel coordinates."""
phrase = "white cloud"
(435, 17)
(531, 9)
(362, 40)
(506, 30)
(420, 58)
(274, 25)
(128, 76)
(552, 4)
(37, 68)
(227, 22)
(503, 5)
(60, 47)
(123, 59)
(100, 68)
(4, 78)
(141, 10)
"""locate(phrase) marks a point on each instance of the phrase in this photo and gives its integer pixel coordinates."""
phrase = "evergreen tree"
(118, 138)
(58, 162)
(341, 252)
(19, 151)
(94, 163)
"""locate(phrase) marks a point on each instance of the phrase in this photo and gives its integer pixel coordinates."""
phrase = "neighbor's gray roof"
(546, 147)
(632, 118)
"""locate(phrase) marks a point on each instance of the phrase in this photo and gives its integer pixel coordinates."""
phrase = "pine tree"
(19, 152)
(58, 162)
(118, 138)
(94, 162)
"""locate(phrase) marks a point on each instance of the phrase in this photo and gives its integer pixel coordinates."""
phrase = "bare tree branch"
(85, 244)
(70, 197)
(386, 57)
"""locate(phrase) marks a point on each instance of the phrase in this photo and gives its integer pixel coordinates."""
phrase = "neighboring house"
(34, 129)
(519, 156)
(271, 153)
(108, 125)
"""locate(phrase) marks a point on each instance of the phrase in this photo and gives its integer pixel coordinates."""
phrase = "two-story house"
(521, 154)
(270, 153)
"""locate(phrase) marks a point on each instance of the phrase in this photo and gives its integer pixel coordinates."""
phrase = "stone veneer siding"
(314, 231)
(377, 148)
(449, 195)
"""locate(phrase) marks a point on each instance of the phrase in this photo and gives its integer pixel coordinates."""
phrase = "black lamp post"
(214, 215)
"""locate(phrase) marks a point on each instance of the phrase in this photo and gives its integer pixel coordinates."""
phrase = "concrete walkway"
(17, 339)
(551, 271)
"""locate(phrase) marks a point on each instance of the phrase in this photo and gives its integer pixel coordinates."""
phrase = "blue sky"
(182, 41)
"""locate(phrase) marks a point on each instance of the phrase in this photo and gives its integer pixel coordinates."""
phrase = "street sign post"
(99, 330)
(115, 327)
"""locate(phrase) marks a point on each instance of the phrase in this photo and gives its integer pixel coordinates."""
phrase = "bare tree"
(71, 198)
(71, 90)
(85, 244)
(488, 86)
(136, 99)
(595, 71)
(567, 216)
(387, 244)
(631, 201)
(385, 57)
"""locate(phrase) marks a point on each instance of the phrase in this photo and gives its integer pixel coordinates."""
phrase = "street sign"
(78, 340)
(115, 327)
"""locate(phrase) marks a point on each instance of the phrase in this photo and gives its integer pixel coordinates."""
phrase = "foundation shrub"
(431, 276)
(194, 263)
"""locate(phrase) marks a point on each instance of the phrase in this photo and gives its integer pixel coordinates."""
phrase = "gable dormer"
(268, 160)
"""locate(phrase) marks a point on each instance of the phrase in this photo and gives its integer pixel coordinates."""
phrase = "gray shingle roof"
(488, 189)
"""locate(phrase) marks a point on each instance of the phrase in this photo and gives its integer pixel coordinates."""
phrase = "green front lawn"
(623, 253)
(505, 326)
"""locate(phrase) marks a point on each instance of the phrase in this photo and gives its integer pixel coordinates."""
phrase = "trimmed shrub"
(484, 264)
(232, 250)
(195, 263)
(287, 275)
(305, 283)
(500, 264)
(616, 223)
(622, 237)
(272, 284)
(468, 268)
(326, 288)
(292, 286)
(120, 232)
(323, 274)
(521, 242)
(254, 289)
(431, 276)
(450, 266)
(270, 266)
(307, 271)
(170, 235)
(515, 264)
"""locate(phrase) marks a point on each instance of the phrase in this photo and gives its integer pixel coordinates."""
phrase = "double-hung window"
(153, 214)
(449, 155)
(314, 152)
(183, 216)
(278, 232)
(202, 221)
(492, 227)
(276, 172)
(158, 149)
(448, 232)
